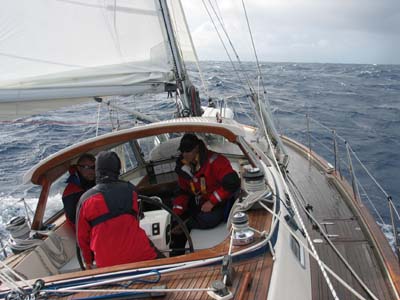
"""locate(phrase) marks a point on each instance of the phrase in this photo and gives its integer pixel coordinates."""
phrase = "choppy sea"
(360, 102)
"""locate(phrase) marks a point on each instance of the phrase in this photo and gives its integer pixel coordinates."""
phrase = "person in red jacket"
(81, 178)
(108, 229)
(207, 183)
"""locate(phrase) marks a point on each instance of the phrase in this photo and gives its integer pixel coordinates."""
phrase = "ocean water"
(360, 102)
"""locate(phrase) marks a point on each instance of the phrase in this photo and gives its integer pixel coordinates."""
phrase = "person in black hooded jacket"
(108, 229)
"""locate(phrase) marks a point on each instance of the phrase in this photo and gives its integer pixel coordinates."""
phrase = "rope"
(169, 268)
(58, 256)
(43, 262)
(321, 230)
(20, 239)
(9, 281)
(5, 266)
(313, 255)
(22, 244)
(320, 264)
(172, 269)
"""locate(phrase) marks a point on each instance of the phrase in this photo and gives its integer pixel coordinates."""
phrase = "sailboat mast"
(180, 72)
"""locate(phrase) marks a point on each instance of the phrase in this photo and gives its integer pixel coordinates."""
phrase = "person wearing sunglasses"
(81, 179)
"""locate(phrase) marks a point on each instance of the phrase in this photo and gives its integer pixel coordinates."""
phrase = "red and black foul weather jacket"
(214, 181)
(108, 226)
(70, 198)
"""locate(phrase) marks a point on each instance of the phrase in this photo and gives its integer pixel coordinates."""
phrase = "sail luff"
(182, 78)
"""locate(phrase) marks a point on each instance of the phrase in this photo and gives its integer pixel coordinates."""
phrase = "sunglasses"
(86, 167)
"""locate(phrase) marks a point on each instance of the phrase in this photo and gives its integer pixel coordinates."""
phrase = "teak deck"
(251, 278)
(345, 229)
(346, 226)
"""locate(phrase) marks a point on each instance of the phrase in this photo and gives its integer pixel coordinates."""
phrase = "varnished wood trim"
(108, 141)
(41, 205)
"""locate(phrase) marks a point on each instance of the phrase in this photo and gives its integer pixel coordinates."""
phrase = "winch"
(242, 233)
(253, 179)
(19, 230)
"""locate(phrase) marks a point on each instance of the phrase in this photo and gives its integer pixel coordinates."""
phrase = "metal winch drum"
(242, 234)
(18, 228)
(253, 179)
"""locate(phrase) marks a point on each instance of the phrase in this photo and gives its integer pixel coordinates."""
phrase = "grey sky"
(352, 31)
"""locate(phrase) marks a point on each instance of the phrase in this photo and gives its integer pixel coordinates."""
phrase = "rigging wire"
(98, 119)
(225, 48)
(315, 256)
(203, 82)
(244, 111)
(357, 181)
(314, 251)
(219, 11)
(367, 171)
(249, 84)
(358, 160)
(299, 197)
(254, 47)
(79, 288)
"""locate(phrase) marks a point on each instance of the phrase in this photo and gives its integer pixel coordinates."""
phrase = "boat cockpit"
(148, 161)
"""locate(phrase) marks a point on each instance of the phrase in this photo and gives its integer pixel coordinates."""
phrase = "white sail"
(70, 49)
(182, 32)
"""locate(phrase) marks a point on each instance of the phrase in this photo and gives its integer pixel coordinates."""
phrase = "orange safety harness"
(203, 187)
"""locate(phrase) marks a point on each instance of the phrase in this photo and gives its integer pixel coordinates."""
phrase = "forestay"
(69, 50)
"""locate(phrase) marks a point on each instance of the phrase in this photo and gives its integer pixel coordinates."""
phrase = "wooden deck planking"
(201, 277)
(328, 206)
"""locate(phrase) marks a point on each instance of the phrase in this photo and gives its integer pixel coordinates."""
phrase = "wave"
(387, 230)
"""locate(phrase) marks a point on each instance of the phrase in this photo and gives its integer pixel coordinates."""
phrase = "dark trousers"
(196, 219)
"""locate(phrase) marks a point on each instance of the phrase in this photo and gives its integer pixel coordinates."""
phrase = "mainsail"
(57, 53)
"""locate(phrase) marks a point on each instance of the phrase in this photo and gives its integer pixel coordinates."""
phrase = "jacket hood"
(108, 166)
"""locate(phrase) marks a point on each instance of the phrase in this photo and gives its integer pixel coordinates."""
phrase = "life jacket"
(214, 181)
(118, 198)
